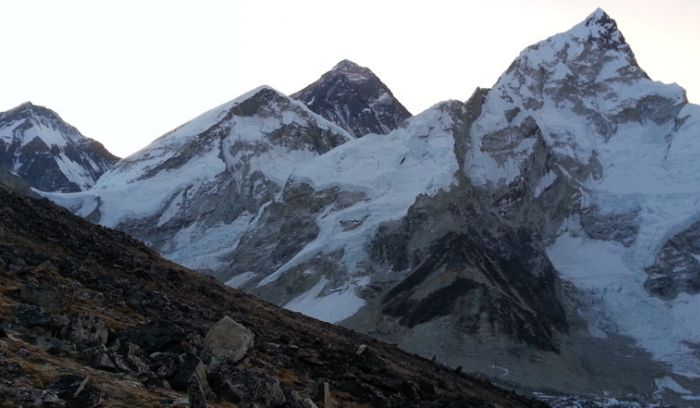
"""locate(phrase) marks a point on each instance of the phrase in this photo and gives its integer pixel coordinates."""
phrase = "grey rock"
(227, 341)
(29, 396)
(676, 268)
(186, 365)
(164, 364)
(246, 387)
(195, 392)
(86, 330)
(296, 400)
(77, 391)
(619, 227)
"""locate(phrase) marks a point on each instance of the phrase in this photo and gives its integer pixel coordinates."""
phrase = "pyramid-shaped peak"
(354, 98)
(352, 70)
(347, 65)
(598, 15)
(599, 25)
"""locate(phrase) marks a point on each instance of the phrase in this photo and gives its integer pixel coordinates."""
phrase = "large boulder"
(227, 342)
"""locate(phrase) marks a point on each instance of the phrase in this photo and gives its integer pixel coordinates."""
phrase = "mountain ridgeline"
(543, 233)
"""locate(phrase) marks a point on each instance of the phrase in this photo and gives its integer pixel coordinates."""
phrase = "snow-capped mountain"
(544, 233)
(49, 154)
(192, 192)
(576, 110)
(355, 99)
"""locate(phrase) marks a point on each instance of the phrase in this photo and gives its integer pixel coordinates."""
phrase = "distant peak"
(347, 65)
(597, 15)
(600, 26)
(351, 70)
(28, 109)
(25, 106)
(263, 91)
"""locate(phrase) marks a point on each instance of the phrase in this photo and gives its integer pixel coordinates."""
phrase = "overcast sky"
(125, 72)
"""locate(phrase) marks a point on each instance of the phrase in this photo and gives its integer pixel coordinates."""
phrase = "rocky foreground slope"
(91, 317)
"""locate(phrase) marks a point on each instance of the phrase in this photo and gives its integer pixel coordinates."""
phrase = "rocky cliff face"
(354, 98)
(49, 154)
(91, 317)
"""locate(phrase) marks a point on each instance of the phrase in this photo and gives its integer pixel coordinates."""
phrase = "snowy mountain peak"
(588, 79)
(603, 29)
(37, 115)
(48, 153)
(353, 97)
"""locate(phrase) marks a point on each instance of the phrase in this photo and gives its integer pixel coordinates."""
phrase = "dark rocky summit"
(355, 99)
(91, 317)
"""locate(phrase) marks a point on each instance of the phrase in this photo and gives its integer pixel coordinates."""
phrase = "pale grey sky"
(125, 72)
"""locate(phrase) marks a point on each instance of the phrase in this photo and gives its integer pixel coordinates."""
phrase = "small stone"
(185, 366)
(327, 397)
(69, 386)
(227, 341)
(247, 386)
(164, 365)
(195, 392)
(361, 349)
(295, 400)
(77, 391)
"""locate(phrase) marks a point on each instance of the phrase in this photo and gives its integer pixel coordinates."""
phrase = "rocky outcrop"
(355, 99)
(677, 266)
(47, 153)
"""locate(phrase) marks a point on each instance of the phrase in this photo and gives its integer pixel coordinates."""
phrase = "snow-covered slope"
(49, 154)
(193, 191)
(354, 98)
(351, 190)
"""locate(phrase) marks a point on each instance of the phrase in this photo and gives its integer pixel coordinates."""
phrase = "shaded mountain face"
(90, 317)
(541, 233)
(49, 154)
(355, 99)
